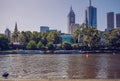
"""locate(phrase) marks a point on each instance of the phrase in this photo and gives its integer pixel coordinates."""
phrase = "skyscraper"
(91, 16)
(118, 20)
(71, 20)
(110, 21)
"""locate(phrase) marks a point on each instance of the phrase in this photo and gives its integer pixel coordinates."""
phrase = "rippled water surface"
(61, 66)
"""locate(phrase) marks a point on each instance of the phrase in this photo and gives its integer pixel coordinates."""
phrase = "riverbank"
(22, 52)
(58, 52)
(59, 79)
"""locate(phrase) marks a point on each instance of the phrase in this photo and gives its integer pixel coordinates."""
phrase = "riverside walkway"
(59, 79)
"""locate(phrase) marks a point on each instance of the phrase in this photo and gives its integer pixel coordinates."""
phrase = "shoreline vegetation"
(84, 40)
(59, 52)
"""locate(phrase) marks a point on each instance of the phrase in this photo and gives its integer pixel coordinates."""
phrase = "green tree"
(25, 37)
(50, 46)
(35, 36)
(115, 38)
(77, 34)
(40, 36)
(44, 38)
(31, 45)
(15, 36)
(75, 46)
(89, 36)
(67, 46)
(92, 37)
(40, 46)
(4, 42)
(54, 37)
(107, 37)
(22, 38)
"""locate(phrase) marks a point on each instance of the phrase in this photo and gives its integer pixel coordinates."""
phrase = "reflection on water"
(103, 67)
(61, 66)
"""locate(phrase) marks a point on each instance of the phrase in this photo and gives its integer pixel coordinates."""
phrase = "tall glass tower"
(91, 16)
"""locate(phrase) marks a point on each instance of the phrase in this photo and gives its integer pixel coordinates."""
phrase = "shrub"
(66, 46)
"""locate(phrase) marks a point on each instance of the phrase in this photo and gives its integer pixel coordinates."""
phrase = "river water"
(68, 66)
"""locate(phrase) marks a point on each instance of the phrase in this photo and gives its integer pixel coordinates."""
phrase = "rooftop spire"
(90, 2)
(71, 8)
(15, 27)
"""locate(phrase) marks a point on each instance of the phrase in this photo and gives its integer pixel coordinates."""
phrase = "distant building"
(16, 39)
(71, 19)
(16, 29)
(52, 31)
(44, 28)
(47, 29)
(91, 16)
(15, 35)
(67, 38)
(110, 21)
(73, 28)
(118, 20)
(8, 33)
(71, 22)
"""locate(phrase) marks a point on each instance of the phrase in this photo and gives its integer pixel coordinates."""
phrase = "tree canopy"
(31, 45)
(4, 42)
(87, 36)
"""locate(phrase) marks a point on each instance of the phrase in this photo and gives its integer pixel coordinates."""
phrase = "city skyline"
(31, 14)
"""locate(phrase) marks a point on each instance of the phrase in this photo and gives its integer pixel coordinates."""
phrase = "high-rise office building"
(91, 16)
(118, 20)
(71, 20)
(110, 21)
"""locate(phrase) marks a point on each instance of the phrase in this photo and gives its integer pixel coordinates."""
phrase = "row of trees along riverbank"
(84, 38)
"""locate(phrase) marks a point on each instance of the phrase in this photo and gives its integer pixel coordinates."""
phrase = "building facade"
(8, 33)
(72, 26)
(44, 28)
(67, 38)
(71, 20)
(118, 20)
(110, 21)
(15, 35)
(91, 16)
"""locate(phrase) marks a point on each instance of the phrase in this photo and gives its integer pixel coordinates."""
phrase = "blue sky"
(31, 14)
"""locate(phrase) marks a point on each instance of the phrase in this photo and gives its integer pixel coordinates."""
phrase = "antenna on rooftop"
(90, 2)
